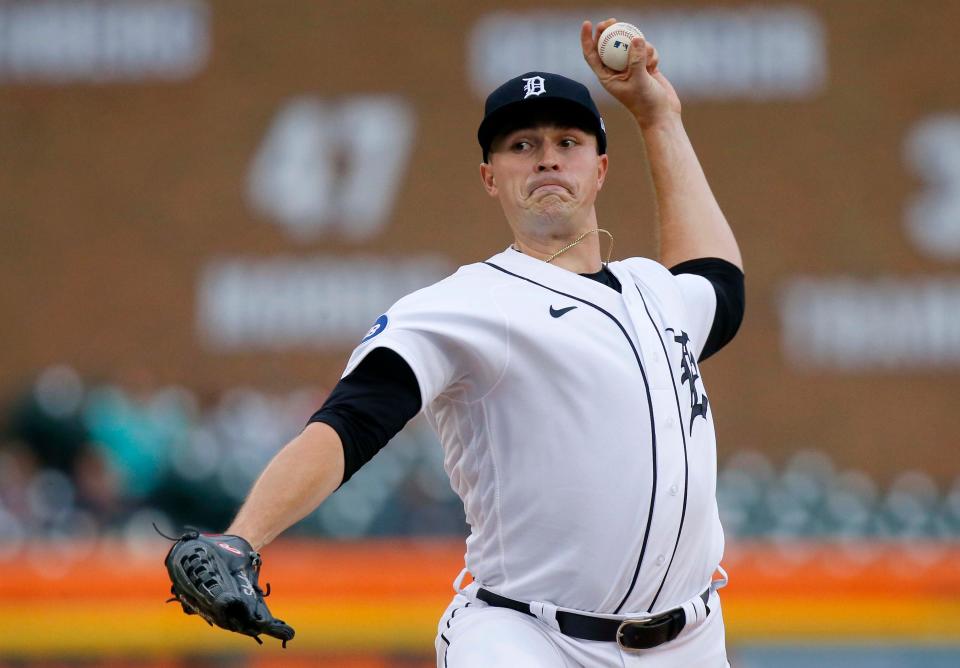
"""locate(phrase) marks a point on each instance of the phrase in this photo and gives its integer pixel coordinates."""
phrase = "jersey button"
(670, 423)
(660, 560)
(673, 490)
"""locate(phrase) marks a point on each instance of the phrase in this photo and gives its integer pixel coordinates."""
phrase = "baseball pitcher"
(566, 391)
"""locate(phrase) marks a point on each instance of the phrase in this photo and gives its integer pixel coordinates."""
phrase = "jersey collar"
(554, 277)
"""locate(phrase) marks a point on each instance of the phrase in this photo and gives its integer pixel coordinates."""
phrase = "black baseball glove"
(215, 576)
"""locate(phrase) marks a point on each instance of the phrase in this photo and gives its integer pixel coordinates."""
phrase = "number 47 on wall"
(333, 166)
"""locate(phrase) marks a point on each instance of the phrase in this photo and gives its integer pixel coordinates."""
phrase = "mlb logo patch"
(378, 326)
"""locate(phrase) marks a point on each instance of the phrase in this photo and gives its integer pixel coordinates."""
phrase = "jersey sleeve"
(447, 336)
(413, 334)
(705, 296)
(700, 305)
(707, 280)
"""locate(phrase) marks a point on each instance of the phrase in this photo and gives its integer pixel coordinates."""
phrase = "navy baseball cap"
(538, 95)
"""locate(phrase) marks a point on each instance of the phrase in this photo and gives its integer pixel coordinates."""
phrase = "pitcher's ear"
(488, 179)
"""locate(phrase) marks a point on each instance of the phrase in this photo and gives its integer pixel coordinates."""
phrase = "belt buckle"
(636, 644)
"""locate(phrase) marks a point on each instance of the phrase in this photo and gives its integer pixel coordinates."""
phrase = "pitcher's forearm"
(691, 222)
(304, 473)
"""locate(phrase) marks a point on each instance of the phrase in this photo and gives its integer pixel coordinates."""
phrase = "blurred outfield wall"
(230, 193)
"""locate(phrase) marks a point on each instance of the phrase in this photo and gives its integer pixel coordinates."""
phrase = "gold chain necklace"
(578, 240)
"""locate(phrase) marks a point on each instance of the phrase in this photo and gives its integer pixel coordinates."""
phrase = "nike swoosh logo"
(557, 312)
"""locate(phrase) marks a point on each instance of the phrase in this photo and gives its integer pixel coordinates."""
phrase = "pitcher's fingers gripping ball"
(614, 45)
(216, 577)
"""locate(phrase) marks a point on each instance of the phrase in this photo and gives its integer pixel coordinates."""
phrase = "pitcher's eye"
(568, 142)
(521, 146)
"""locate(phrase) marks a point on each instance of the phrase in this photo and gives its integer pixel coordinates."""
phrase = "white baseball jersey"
(575, 426)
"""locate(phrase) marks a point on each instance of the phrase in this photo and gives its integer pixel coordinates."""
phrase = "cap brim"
(516, 114)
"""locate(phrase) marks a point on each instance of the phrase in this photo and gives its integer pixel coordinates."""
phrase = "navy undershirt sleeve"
(728, 284)
(370, 406)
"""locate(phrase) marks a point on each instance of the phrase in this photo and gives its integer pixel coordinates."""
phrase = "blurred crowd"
(808, 497)
(81, 460)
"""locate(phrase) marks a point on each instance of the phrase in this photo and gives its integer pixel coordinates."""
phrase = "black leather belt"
(643, 633)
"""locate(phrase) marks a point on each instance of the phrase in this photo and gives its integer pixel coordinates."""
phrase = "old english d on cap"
(540, 93)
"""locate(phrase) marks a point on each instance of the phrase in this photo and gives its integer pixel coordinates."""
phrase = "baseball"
(614, 45)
